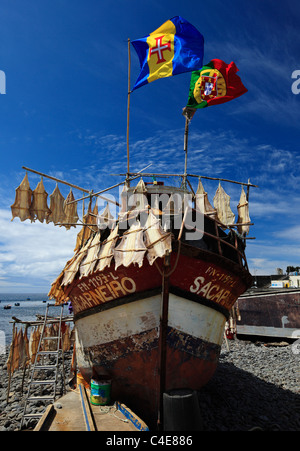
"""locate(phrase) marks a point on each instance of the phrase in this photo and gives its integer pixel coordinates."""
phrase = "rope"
(106, 410)
(176, 262)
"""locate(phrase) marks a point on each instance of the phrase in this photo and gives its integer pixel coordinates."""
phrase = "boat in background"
(7, 307)
(269, 312)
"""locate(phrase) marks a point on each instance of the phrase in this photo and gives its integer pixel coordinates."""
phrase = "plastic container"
(100, 392)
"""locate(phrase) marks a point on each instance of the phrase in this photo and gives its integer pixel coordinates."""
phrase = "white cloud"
(290, 234)
(32, 254)
(264, 256)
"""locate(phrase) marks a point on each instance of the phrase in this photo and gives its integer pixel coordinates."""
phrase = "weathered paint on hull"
(124, 347)
(117, 316)
(273, 313)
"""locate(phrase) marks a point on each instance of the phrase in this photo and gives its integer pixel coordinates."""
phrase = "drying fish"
(105, 219)
(56, 291)
(66, 340)
(46, 342)
(34, 343)
(56, 206)
(86, 231)
(21, 206)
(131, 248)
(21, 349)
(72, 267)
(139, 199)
(222, 205)
(16, 351)
(158, 242)
(70, 210)
(107, 250)
(92, 256)
(11, 352)
(243, 214)
(26, 348)
(202, 202)
(30, 343)
(39, 208)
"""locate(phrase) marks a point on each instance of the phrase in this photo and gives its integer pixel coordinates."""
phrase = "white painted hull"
(140, 317)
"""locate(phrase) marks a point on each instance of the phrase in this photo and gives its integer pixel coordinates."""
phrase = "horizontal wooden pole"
(69, 184)
(190, 175)
(56, 179)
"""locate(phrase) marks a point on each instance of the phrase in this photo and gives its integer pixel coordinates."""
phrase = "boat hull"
(118, 320)
(270, 313)
(124, 345)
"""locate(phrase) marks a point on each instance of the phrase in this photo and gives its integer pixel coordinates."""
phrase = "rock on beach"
(11, 412)
(255, 388)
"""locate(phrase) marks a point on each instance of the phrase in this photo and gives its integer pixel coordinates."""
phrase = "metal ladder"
(46, 367)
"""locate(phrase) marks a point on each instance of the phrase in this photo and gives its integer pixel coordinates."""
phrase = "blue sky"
(64, 114)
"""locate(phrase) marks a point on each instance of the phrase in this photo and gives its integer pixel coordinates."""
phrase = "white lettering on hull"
(221, 292)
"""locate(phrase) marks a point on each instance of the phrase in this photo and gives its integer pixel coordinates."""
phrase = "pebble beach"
(255, 388)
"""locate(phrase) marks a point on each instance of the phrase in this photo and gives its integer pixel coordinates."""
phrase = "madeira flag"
(215, 83)
(175, 47)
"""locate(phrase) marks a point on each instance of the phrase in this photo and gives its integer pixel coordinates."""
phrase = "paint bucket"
(100, 392)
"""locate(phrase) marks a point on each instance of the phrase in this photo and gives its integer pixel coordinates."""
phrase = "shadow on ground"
(235, 400)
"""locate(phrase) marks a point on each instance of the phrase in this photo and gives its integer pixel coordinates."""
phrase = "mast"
(188, 113)
(128, 111)
(162, 341)
(186, 134)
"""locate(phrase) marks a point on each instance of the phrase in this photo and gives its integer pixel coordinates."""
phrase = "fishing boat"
(152, 289)
(151, 293)
(7, 307)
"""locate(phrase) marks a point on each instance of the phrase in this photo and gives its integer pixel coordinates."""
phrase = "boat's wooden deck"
(74, 412)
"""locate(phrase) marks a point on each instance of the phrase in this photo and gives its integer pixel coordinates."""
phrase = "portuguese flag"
(215, 83)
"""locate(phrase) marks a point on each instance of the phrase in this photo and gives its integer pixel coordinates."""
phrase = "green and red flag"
(215, 83)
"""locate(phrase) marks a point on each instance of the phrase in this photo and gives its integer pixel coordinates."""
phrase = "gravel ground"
(256, 387)
(11, 412)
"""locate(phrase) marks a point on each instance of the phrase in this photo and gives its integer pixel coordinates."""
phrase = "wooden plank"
(87, 413)
(265, 331)
(44, 421)
(139, 424)
(152, 174)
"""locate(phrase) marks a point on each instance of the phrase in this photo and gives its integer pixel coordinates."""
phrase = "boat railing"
(223, 240)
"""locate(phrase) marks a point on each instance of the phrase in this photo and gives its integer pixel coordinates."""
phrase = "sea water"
(31, 304)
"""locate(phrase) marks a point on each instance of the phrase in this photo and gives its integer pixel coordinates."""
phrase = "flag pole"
(128, 110)
(186, 134)
(188, 113)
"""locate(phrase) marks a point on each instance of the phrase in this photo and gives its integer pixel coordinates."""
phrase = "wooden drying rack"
(90, 192)
(132, 176)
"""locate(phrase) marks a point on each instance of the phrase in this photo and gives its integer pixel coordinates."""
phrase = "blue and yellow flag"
(175, 47)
